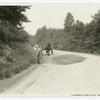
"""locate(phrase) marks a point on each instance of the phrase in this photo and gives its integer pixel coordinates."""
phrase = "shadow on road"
(67, 59)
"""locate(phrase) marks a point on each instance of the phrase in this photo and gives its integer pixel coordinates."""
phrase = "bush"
(17, 34)
(8, 74)
(6, 70)
(2, 74)
(16, 70)
(15, 58)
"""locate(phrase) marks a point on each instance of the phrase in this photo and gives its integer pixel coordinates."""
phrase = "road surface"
(52, 79)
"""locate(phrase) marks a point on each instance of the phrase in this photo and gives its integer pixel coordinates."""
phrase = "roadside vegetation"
(16, 53)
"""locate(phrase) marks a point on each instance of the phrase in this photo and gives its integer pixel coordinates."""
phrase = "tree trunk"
(6, 31)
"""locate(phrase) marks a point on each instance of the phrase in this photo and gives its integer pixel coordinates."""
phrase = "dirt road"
(62, 74)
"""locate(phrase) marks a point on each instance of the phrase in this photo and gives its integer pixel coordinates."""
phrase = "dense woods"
(16, 52)
(75, 36)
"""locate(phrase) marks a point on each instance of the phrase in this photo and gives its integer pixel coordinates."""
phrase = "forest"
(75, 35)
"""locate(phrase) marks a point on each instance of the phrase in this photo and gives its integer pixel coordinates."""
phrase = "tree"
(12, 15)
(92, 34)
(79, 26)
(69, 22)
(96, 21)
(41, 35)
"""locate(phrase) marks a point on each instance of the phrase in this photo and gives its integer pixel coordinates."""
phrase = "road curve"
(51, 79)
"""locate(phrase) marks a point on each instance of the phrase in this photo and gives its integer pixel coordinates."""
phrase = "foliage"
(76, 36)
(13, 14)
(17, 34)
(15, 58)
(16, 53)
(11, 19)
(69, 22)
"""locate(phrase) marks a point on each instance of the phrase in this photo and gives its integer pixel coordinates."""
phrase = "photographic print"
(50, 49)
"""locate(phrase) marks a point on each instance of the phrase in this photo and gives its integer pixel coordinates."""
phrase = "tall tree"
(69, 22)
(12, 15)
(41, 35)
(96, 21)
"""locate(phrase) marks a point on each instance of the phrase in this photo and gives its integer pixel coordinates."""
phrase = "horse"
(49, 48)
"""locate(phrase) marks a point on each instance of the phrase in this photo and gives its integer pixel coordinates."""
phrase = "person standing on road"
(41, 50)
(51, 49)
(38, 53)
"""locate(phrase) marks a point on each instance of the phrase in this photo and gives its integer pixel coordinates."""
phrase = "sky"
(53, 14)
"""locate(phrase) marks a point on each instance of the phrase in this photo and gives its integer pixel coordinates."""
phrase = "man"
(41, 50)
(51, 49)
(38, 53)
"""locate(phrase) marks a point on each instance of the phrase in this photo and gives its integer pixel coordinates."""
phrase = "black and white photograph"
(50, 50)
